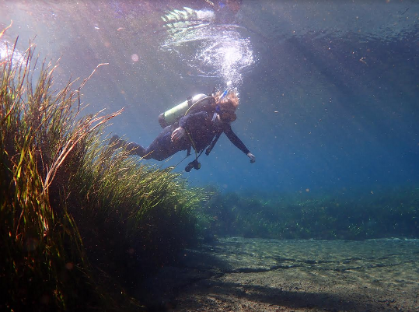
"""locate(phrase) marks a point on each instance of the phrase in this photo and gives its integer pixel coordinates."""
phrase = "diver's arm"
(237, 142)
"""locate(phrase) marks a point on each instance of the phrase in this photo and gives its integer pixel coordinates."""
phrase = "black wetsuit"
(200, 131)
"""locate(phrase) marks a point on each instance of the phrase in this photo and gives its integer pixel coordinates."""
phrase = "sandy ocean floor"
(238, 274)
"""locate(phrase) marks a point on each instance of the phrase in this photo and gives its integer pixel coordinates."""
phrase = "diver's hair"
(231, 99)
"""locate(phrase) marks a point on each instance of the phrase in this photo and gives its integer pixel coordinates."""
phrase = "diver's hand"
(177, 134)
(251, 157)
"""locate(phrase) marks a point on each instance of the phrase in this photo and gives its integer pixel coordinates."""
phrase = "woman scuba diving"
(194, 124)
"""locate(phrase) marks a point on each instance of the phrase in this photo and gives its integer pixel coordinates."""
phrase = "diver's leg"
(132, 148)
(135, 149)
(162, 147)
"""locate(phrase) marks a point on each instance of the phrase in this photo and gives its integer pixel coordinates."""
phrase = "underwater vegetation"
(386, 214)
(81, 221)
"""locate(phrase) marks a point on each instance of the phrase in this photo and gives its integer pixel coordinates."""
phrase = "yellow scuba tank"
(174, 114)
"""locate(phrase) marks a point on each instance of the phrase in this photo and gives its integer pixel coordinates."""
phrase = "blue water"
(329, 89)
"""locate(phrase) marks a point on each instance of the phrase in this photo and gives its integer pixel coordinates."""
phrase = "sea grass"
(82, 221)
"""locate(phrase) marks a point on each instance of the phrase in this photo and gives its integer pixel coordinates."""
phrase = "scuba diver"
(194, 124)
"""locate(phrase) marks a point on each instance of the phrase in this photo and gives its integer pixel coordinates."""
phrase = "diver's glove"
(177, 134)
(251, 157)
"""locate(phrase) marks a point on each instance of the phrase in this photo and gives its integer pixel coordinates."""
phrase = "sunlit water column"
(209, 48)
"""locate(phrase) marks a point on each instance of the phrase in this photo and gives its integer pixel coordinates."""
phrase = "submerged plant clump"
(78, 217)
(355, 216)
